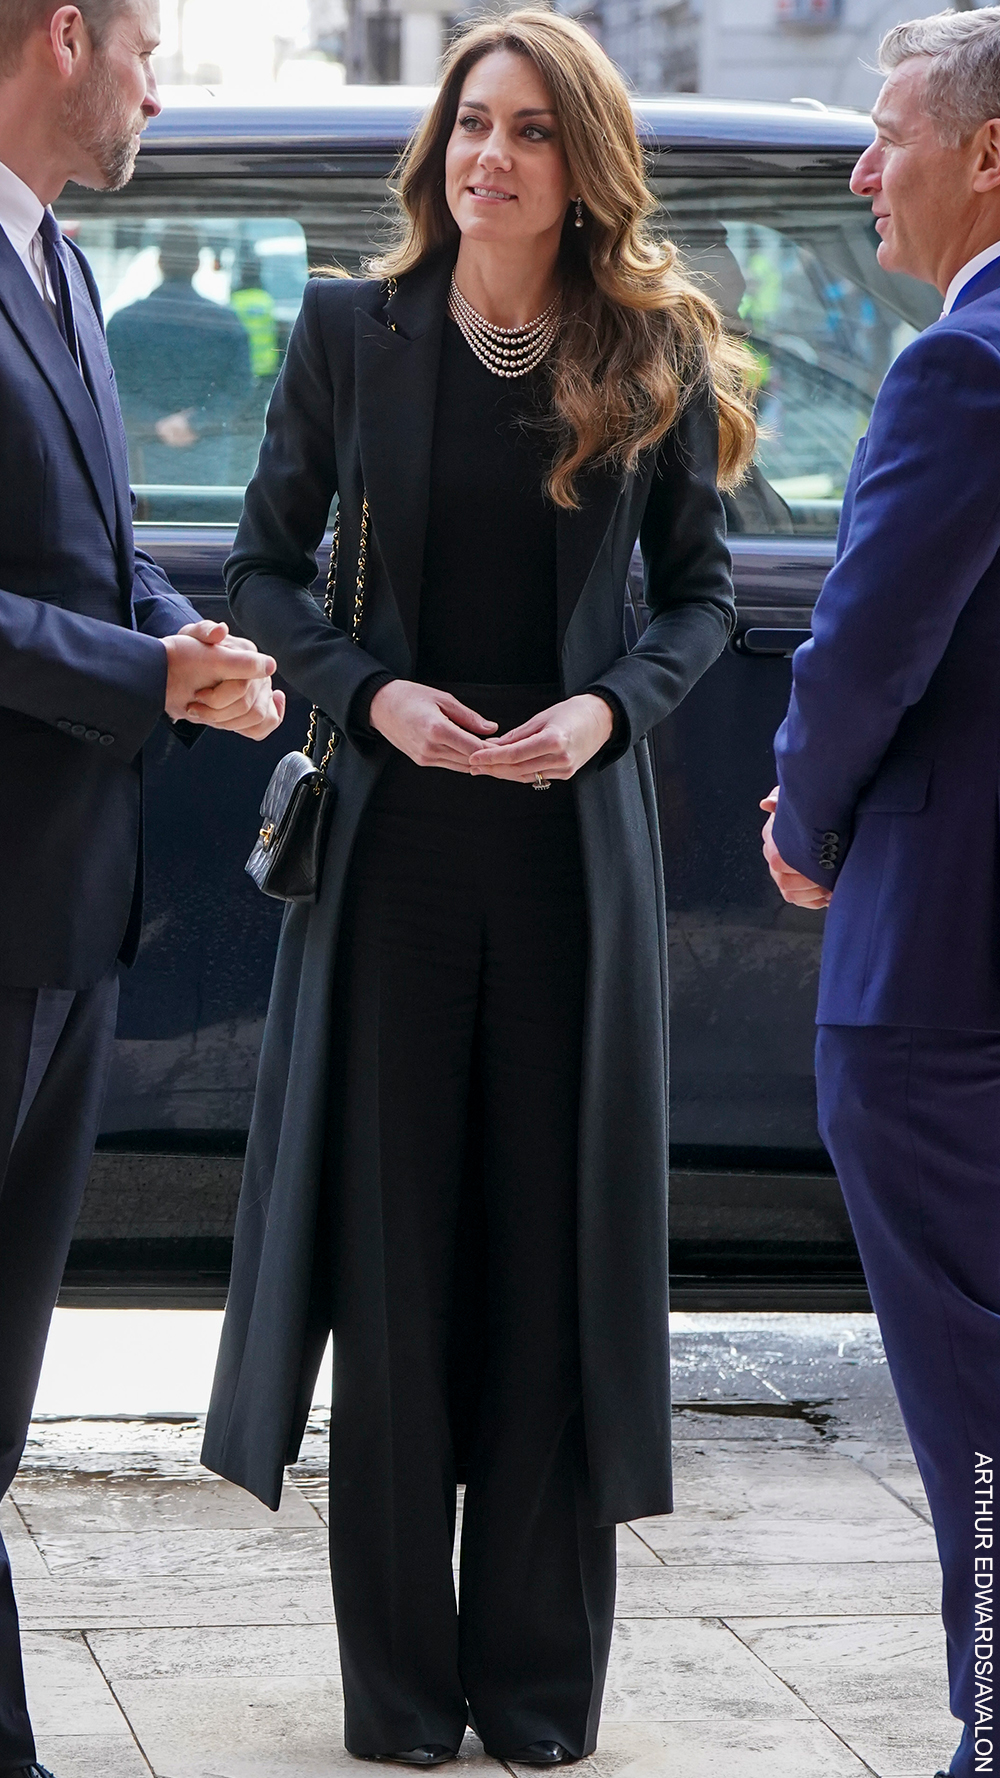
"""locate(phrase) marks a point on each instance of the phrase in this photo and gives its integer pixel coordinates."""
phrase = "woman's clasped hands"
(434, 729)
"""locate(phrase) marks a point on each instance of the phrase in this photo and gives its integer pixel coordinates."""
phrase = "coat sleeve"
(273, 563)
(90, 679)
(924, 527)
(688, 579)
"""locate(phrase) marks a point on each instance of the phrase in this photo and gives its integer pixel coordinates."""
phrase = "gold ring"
(541, 783)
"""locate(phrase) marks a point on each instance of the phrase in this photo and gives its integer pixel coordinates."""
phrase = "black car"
(252, 200)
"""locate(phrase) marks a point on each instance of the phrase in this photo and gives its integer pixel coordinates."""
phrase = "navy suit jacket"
(82, 676)
(889, 757)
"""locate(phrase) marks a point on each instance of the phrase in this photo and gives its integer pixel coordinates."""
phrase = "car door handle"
(772, 642)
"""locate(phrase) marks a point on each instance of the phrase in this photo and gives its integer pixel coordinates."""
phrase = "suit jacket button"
(78, 729)
(92, 734)
(107, 740)
(65, 725)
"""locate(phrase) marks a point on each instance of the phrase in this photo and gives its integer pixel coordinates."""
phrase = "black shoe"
(541, 1753)
(433, 1755)
(31, 1772)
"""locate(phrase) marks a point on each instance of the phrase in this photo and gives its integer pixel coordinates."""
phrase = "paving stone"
(282, 1651)
(171, 1601)
(881, 1684)
(67, 1693)
(25, 1557)
(783, 1505)
(633, 1551)
(247, 1728)
(708, 1748)
(675, 1670)
(68, 1505)
(781, 1589)
(92, 1756)
(122, 1555)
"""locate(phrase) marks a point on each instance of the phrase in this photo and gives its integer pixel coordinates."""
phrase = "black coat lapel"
(30, 318)
(579, 536)
(397, 374)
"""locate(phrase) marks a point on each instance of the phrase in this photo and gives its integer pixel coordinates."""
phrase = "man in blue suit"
(887, 810)
(95, 649)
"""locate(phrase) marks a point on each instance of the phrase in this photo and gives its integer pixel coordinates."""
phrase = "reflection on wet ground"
(782, 1623)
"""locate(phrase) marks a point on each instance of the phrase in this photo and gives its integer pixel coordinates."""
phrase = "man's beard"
(100, 124)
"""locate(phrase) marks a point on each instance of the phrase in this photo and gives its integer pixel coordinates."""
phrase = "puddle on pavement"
(809, 1411)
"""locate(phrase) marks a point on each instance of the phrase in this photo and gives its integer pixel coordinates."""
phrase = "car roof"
(368, 119)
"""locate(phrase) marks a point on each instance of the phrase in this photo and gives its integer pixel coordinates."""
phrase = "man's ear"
(69, 40)
(987, 167)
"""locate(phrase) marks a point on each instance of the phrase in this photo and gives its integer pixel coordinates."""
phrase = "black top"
(488, 591)
(488, 587)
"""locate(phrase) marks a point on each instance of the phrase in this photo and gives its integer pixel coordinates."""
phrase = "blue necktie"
(55, 260)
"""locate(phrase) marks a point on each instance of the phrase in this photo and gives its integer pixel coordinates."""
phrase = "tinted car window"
(794, 268)
(201, 286)
(198, 309)
(791, 261)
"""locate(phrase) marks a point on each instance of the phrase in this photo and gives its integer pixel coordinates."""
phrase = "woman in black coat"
(458, 1153)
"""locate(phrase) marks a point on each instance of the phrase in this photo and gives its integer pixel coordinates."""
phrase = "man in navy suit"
(95, 649)
(887, 810)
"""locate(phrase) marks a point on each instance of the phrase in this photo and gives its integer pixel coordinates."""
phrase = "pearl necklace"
(506, 351)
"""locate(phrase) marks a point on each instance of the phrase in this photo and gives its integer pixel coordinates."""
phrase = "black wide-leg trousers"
(55, 1049)
(453, 1222)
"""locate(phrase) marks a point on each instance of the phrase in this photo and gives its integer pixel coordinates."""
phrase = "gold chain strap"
(359, 604)
(359, 611)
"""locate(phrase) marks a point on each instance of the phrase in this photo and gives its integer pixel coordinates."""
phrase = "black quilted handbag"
(287, 861)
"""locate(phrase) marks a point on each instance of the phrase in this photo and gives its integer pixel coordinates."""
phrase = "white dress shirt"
(20, 218)
(961, 278)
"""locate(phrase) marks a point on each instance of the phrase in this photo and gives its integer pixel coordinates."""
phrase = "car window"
(794, 269)
(790, 260)
(199, 299)
(198, 310)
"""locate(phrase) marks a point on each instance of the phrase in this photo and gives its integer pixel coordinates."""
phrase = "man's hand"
(176, 430)
(221, 681)
(796, 888)
(554, 744)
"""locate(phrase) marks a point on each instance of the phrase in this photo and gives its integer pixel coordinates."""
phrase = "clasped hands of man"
(433, 729)
(796, 888)
(221, 680)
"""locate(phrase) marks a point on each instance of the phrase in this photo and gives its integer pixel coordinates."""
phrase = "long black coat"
(353, 413)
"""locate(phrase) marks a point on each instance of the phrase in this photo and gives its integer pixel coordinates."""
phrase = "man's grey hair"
(963, 82)
(19, 18)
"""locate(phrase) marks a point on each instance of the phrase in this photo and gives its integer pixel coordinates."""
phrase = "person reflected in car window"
(754, 506)
(253, 303)
(184, 371)
(255, 307)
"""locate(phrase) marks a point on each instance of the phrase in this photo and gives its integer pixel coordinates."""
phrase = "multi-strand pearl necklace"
(506, 351)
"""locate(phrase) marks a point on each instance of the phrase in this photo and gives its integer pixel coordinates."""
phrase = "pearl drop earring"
(579, 213)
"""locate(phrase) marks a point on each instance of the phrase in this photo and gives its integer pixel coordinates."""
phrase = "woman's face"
(506, 177)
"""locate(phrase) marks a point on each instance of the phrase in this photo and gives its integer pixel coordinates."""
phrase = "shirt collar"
(20, 211)
(967, 273)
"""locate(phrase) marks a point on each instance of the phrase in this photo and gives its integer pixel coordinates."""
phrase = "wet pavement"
(783, 1621)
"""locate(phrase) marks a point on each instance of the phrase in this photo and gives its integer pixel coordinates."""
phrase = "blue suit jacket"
(889, 757)
(82, 676)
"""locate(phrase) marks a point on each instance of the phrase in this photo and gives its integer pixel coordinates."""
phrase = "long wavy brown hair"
(638, 338)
